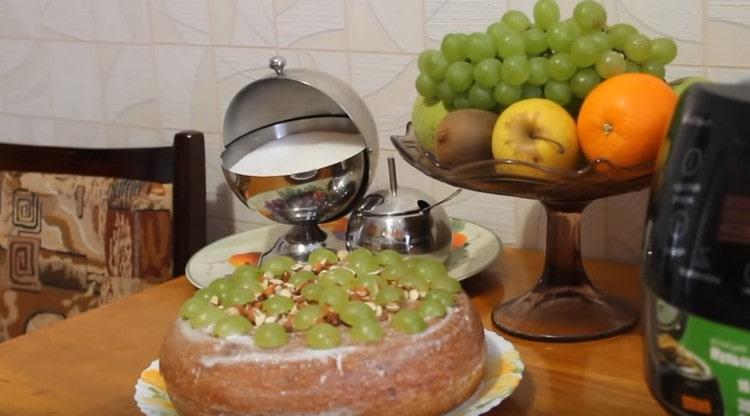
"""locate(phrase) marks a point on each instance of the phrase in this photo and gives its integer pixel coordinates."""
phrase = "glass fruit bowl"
(563, 305)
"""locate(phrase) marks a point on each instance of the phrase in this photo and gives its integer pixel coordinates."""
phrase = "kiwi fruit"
(464, 136)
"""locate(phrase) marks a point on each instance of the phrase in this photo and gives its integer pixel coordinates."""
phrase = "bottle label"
(701, 367)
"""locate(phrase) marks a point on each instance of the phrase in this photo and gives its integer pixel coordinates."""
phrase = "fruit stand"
(561, 110)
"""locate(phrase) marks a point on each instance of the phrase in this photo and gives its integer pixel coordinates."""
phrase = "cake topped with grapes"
(353, 331)
(334, 297)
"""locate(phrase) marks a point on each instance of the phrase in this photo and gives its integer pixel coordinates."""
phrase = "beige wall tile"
(100, 20)
(243, 22)
(728, 74)
(129, 87)
(25, 86)
(180, 21)
(69, 19)
(81, 134)
(681, 20)
(76, 81)
(386, 82)
(127, 136)
(333, 63)
(27, 130)
(530, 224)
(187, 87)
(317, 24)
(626, 219)
(385, 25)
(215, 182)
(675, 72)
(122, 20)
(77, 134)
(727, 20)
(594, 229)
(20, 19)
(467, 16)
(495, 212)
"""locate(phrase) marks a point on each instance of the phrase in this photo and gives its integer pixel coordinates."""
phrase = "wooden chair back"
(115, 175)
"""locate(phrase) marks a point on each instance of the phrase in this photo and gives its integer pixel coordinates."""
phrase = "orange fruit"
(624, 120)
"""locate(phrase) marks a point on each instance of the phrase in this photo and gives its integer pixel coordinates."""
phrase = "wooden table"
(89, 364)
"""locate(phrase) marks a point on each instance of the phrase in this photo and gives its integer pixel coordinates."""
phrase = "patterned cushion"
(71, 243)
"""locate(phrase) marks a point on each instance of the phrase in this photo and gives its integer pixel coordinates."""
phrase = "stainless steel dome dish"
(300, 107)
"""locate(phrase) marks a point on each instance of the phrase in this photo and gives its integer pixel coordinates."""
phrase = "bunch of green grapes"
(561, 60)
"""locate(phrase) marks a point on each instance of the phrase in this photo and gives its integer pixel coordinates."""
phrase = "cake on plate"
(342, 334)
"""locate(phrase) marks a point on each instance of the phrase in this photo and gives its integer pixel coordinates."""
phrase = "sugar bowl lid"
(398, 201)
(292, 94)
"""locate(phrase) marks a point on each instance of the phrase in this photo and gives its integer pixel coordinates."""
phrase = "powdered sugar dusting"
(248, 352)
(339, 365)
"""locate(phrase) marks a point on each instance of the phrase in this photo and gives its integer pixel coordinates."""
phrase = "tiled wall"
(131, 72)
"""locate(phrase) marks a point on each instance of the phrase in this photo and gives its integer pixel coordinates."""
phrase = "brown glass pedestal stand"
(563, 305)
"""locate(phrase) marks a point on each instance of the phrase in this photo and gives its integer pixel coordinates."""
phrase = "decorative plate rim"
(502, 374)
(490, 243)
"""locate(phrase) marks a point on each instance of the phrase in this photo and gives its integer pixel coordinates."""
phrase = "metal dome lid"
(297, 94)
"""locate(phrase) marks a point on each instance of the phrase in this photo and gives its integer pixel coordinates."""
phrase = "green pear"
(425, 118)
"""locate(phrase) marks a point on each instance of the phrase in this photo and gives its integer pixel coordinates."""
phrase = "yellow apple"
(536, 131)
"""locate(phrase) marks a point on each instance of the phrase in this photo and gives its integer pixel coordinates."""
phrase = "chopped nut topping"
(331, 317)
(248, 312)
(260, 317)
(273, 285)
(361, 292)
(287, 324)
(270, 290)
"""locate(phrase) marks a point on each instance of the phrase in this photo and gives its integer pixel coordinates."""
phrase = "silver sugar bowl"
(402, 219)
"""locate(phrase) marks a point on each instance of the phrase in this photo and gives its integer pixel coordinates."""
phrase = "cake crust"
(428, 373)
